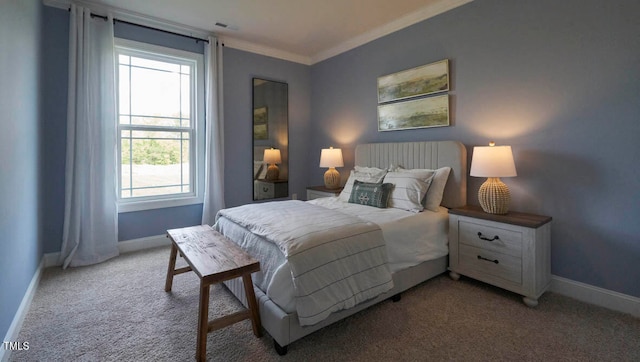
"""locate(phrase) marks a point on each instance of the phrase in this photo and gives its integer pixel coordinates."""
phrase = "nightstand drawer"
(478, 262)
(491, 238)
(265, 190)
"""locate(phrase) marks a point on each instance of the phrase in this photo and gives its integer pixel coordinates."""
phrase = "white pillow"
(435, 192)
(259, 170)
(364, 174)
(410, 188)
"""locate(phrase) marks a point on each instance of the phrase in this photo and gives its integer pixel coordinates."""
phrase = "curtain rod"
(148, 27)
(162, 30)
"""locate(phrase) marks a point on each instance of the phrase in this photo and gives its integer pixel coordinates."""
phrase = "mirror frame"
(271, 121)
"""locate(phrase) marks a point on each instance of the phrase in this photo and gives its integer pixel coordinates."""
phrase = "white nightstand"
(314, 192)
(509, 251)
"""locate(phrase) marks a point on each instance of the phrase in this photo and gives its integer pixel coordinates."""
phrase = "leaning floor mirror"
(270, 139)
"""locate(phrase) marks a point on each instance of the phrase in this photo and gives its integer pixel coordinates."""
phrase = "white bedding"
(336, 260)
(410, 239)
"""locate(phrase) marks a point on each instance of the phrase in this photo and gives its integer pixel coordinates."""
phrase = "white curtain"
(90, 216)
(214, 157)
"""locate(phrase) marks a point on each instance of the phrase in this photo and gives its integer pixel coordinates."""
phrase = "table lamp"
(271, 157)
(493, 162)
(332, 158)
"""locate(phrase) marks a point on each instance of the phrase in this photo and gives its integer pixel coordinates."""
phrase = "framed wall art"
(415, 113)
(420, 81)
(260, 123)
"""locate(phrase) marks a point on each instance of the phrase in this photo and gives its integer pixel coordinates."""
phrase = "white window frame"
(197, 143)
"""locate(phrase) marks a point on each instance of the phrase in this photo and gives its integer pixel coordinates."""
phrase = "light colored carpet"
(118, 311)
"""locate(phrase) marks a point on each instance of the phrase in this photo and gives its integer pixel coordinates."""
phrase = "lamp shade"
(492, 161)
(331, 157)
(272, 156)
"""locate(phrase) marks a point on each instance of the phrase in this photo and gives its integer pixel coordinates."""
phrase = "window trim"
(197, 152)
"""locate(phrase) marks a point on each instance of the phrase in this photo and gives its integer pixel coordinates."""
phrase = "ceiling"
(304, 31)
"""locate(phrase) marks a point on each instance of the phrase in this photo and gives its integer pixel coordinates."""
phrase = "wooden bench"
(214, 258)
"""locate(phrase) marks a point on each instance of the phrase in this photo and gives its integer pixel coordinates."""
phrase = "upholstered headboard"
(430, 155)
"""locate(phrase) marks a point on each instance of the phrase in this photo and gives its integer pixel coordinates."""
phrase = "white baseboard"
(595, 295)
(21, 313)
(143, 243)
(128, 246)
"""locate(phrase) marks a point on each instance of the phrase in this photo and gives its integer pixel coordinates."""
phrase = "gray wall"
(55, 49)
(557, 80)
(239, 69)
(20, 200)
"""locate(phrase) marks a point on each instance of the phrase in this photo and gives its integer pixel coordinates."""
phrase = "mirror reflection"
(270, 139)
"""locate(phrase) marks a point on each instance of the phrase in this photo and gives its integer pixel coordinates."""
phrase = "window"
(160, 123)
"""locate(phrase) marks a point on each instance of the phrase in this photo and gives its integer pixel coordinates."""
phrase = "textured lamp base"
(494, 196)
(273, 173)
(332, 178)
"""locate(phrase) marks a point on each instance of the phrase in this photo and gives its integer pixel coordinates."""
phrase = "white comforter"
(336, 260)
(411, 238)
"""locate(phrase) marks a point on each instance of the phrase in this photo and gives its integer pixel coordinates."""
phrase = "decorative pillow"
(370, 194)
(410, 188)
(435, 192)
(363, 174)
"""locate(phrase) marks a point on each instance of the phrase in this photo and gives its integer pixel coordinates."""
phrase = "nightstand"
(510, 251)
(270, 189)
(314, 192)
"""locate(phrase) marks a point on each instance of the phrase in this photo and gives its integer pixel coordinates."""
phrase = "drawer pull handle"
(493, 261)
(486, 238)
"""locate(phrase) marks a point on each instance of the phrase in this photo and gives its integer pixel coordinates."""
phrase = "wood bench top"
(211, 255)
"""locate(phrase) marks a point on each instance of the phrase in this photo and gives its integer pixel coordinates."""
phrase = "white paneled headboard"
(431, 155)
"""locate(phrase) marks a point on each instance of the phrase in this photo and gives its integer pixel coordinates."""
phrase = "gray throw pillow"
(370, 194)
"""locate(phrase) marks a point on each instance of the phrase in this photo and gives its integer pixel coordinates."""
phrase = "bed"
(280, 306)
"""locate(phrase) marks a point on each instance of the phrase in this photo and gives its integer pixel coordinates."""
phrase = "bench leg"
(253, 305)
(172, 267)
(203, 323)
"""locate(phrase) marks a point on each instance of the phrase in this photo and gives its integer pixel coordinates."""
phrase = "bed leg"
(281, 350)
(396, 298)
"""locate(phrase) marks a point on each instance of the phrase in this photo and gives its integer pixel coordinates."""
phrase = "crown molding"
(401, 23)
(244, 45)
